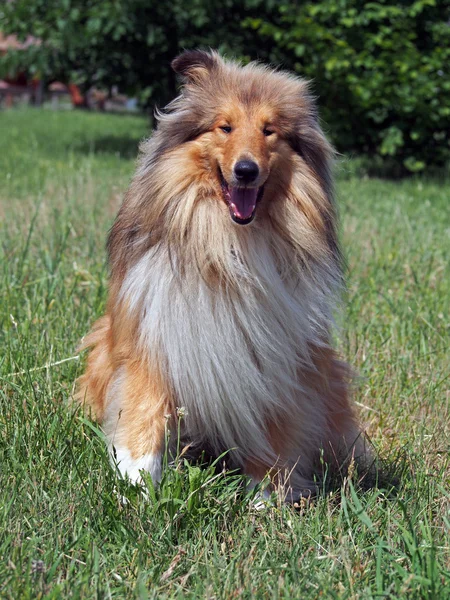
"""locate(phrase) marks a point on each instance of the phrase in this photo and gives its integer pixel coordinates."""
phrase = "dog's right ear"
(194, 65)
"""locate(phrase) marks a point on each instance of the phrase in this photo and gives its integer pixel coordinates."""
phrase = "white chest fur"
(232, 355)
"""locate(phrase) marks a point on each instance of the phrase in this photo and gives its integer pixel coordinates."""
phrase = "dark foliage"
(380, 69)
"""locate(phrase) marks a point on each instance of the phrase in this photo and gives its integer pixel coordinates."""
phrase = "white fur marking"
(131, 467)
(262, 499)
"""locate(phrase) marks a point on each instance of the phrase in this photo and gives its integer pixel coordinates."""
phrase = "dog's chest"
(231, 359)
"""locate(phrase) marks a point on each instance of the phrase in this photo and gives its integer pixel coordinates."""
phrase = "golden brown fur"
(231, 322)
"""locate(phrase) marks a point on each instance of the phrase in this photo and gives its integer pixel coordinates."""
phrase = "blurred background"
(380, 69)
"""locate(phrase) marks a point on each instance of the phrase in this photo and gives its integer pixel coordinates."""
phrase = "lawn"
(64, 532)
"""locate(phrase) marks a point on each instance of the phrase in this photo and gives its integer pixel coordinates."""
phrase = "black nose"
(246, 171)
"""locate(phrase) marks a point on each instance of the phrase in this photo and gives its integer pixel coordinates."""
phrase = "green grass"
(64, 532)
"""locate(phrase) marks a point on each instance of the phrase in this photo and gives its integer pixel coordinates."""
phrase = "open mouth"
(241, 201)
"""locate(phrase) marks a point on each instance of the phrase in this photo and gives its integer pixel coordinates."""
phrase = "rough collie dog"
(224, 274)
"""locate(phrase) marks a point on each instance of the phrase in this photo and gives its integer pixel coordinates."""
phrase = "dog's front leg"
(135, 422)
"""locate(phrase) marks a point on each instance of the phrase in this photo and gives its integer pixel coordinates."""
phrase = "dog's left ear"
(194, 65)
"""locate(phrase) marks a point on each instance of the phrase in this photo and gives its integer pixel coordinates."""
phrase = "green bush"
(381, 70)
(128, 43)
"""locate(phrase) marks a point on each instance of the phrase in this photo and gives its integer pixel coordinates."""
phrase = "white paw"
(132, 467)
(263, 498)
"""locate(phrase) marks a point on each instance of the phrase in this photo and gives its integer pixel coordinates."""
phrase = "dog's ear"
(194, 65)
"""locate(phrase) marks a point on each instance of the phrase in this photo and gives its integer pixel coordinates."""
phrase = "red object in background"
(78, 99)
(19, 80)
(12, 87)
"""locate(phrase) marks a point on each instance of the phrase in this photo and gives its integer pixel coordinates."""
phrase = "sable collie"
(225, 271)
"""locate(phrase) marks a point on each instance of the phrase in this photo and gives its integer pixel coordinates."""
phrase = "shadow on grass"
(362, 167)
(126, 147)
(386, 473)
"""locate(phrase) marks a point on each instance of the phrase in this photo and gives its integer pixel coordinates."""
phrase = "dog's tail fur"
(92, 385)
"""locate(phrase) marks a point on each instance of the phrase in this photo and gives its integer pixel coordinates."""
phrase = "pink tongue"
(243, 201)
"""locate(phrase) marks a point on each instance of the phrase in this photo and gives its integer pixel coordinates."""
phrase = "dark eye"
(267, 131)
(225, 128)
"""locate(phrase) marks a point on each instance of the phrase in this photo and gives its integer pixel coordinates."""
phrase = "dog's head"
(240, 144)
(250, 122)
